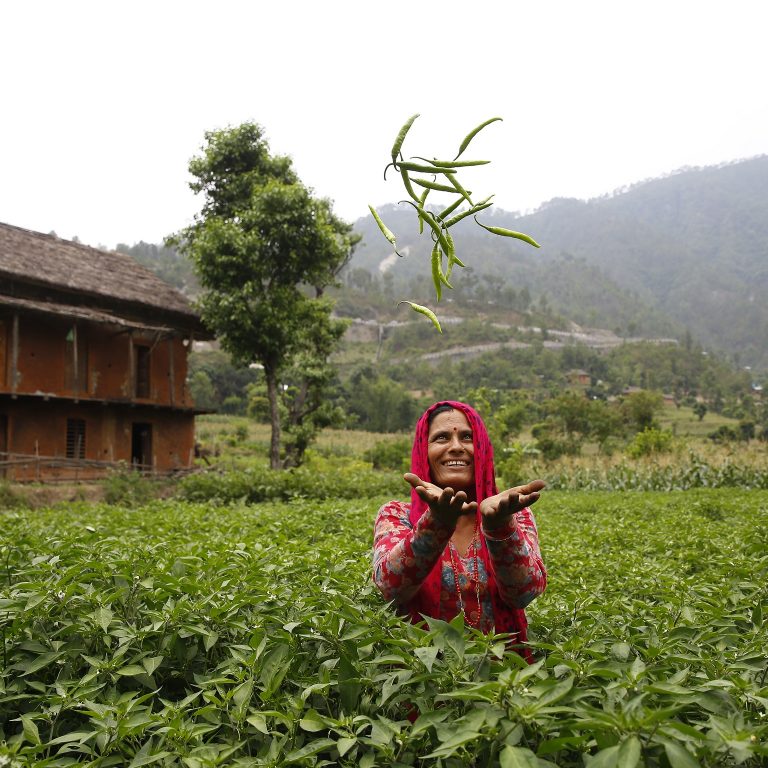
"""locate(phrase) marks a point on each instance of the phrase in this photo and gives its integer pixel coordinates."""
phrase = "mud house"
(93, 361)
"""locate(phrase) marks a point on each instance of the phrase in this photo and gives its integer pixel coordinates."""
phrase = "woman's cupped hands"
(448, 505)
(445, 504)
(497, 510)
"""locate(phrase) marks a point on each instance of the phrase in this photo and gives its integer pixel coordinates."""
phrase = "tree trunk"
(274, 416)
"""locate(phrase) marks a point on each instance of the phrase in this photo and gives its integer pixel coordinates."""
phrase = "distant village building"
(577, 377)
(93, 362)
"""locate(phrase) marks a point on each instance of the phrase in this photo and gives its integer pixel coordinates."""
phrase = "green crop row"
(347, 480)
(188, 634)
(682, 475)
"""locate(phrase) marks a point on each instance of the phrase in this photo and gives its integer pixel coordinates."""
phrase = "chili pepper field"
(186, 634)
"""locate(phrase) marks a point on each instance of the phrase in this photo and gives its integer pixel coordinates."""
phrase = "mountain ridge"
(686, 251)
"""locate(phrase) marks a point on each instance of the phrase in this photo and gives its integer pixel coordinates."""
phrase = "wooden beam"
(171, 372)
(15, 353)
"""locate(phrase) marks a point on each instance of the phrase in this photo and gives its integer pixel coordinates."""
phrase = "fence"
(30, 468)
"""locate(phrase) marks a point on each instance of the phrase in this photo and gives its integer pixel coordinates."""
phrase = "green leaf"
(151, 663)
(629, 752)
(313, 748)
(460, 737)
(242, 694)
(31, 733)
(259, 722)
(103, 617)
(312, 722)
(344, 745)
(426, 655)
(606, 758)
(517, 757)
(349, 686)
(274, 670)
(621, 651)
(147, 759)
(427, 719)
(555, 693)
(678, 756)
(75, 737)
(36, 664)
(131, 670)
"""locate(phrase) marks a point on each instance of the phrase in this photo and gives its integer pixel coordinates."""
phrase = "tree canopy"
(264, 249)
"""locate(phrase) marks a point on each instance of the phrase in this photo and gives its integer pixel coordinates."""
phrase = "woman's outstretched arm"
(516, 560)
(403, 555)
(513, 543)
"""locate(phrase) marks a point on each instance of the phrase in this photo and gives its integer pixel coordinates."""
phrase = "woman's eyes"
(466, 436)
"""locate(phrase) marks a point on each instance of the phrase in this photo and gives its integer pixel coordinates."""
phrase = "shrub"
(127, 487)
(258, 484)
(390, 454)
(650, 441)
(724, 434)
(9, 498)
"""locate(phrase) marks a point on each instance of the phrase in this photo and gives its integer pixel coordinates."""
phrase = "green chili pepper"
(418, 168)
(407, 184)
(452, 257)
(463, 215)
(435, 186)
(450, 209)
(436, 258)
(437, 230)
(383, 227)
(438, 277)
(424, 311)
(463, 192)
(471, 135)
(401, 137)
(510, 233)
(422, 200)
(454, 163)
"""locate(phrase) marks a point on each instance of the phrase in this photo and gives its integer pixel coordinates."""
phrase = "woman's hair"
(440, 409)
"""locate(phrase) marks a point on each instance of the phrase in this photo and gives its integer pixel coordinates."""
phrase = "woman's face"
(451, 452)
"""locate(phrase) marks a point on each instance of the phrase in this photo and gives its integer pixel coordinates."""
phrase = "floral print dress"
(405, 554)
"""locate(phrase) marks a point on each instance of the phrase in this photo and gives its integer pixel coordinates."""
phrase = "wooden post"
(75, 362)
(15, 353)
(131, 368)
(171, 371)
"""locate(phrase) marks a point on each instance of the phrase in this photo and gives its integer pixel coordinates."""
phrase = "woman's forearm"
(516, 560)
(403, 556)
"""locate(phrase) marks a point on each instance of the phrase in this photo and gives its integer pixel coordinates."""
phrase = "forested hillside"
(684, 256)
(688, 251)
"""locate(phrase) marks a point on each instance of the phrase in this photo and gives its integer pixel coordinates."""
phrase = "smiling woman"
(460, 546)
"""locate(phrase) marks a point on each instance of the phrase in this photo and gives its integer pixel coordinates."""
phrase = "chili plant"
(189, 635)
(424, 174)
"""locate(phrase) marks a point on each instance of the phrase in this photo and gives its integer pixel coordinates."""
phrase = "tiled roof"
(80, 274)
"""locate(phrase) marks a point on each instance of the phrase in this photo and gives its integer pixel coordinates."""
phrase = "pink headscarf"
(427, 599)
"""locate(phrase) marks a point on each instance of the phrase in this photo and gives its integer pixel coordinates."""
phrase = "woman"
(460, 546)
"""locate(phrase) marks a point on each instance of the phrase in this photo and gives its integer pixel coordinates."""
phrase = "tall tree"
(262, 246)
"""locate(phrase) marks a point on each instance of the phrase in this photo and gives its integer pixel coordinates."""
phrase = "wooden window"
(75, 438)
(142, 356)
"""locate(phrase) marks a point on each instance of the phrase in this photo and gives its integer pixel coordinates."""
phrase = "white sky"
(104, 103)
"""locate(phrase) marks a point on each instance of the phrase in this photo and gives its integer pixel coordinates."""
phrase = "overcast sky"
(103, 104)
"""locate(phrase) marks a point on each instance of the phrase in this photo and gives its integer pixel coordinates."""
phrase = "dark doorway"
(141, 446)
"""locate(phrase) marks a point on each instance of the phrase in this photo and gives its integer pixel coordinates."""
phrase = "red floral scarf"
(427, 599)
